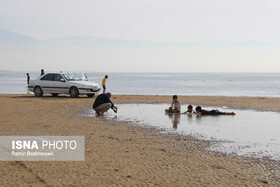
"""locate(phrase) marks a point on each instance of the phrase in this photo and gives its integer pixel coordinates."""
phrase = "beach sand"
(121, 154)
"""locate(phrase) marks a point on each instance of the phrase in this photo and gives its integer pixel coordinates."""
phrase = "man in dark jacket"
(103, 103)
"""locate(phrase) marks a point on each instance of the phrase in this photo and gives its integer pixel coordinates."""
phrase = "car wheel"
(90, 95)
(38, 92)
(74, 92)
(55, 94)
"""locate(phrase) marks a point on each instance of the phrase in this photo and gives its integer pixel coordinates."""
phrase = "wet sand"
(258, 103)
(120, 154)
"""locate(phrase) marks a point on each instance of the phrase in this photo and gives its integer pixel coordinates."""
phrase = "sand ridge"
(120, 154)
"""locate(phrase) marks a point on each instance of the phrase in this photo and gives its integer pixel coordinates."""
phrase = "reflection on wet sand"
(175, 118)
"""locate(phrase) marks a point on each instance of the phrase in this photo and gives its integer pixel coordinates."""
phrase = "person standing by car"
(103, 103)
(42, 72)
(104, 83)
(28, 78)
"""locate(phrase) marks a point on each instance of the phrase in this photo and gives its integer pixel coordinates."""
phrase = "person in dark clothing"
(28, 78)
(42, 72)
(103, 103)
(200, 112)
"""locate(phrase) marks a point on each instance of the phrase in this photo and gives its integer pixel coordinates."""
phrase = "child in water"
(175, 106)
(200, 112)
(190, 110)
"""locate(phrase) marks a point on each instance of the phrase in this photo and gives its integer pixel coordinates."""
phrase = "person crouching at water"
(200, 112)
(175, 106)
(103, 103)
(190, 110)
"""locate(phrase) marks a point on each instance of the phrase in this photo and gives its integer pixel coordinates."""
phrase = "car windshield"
(72, 77)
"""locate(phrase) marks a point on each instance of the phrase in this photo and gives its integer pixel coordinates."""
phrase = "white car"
(62, 83)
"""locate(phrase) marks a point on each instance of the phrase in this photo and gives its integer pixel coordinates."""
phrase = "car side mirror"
(62, 80)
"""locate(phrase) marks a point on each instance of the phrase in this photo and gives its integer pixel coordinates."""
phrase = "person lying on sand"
(190, 110)
(200, 112)
(103, 103)
(175, 106)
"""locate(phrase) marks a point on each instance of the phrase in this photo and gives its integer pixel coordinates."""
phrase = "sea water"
(212, 84)
(248, 133)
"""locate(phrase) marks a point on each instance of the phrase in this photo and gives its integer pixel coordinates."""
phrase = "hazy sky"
(157, 21)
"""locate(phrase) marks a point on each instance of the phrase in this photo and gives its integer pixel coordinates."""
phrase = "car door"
(46, 83)
(59, 84)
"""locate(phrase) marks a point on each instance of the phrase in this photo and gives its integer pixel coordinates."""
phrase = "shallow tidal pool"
(249, 133)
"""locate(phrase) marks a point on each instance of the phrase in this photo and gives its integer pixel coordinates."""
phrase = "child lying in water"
(200, 112)
(175, 106)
